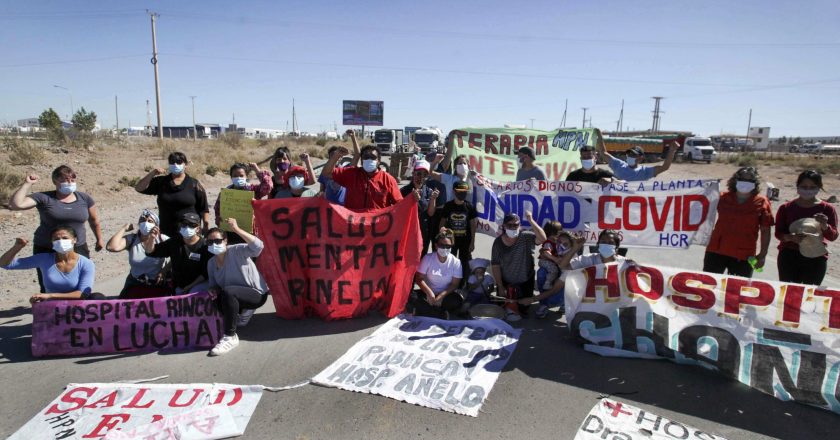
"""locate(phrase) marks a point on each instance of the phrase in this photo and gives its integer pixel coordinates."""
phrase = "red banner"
(327, 261)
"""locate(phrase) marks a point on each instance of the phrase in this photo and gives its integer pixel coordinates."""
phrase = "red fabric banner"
(327, 261)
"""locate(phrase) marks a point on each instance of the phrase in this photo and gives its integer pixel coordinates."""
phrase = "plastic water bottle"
(753, 261)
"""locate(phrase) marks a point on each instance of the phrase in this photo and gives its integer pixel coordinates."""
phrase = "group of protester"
(175, 250)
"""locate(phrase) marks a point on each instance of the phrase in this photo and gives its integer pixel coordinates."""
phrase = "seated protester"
(512, 262)
(239, 181)
(188, 254)
(333, 192)
(631, 169)
(527, 170)
(480, 284)
(233, 278)
(461, 217)
(608, 242)
(67, 274)
(428, 200)
(146, 277)
(296, 177)
(588, 172)
(368, 187)
(551, 286)
(438, 278)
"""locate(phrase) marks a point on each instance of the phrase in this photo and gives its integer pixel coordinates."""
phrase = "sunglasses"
(216, 240)
(176, 161)
(190, 225)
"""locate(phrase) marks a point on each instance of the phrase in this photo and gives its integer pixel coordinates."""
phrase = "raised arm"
(538, 231)
(331, 161)
(310, 173)
(433, 167)
(118, 243)
(450, 150)
(20, 199)
(669, 158)
(357, 152)
(602, 147)
(143, 183)
(10, 254)
(566, 259)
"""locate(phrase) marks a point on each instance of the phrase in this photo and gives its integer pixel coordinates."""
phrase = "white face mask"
(512, 233)
(67, 188)
(807, 194)
(146, 227)
(631, 161)
(176, 168)
(62, 246)
(186, 232)
(744, 187)
(217, 249)
(369, 165)
(461, 169)
(443, 252)
(296, 182)
(587, 164)
(239, 182)
(606, 250)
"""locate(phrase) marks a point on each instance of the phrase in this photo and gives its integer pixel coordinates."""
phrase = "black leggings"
(233, 300)
(450, 304)
(81, 249)
(717, 263)
(796, 268)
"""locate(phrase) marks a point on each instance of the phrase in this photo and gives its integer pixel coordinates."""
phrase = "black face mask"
(461, 195)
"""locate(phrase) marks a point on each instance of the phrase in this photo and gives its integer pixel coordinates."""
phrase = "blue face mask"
(239, 182)
(176, 168)
(67, 188)
(369, 165)
(187, 232)
(606, 250)
(217, 249)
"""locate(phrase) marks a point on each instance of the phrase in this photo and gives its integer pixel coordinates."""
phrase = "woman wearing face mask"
(609, 241)
(177, 193)
(438, 277)
(296, 178)
(280, 165)
(794, 267)
(233, 278)
(187, 253)
(63, 206)
(551, 284)
(742, 214)
(447, 178)
(146, 277)
(239, 181)
(67, 274)
(512, 262)
(428, 200)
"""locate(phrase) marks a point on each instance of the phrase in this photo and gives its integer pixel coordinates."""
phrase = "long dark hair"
(752, 171)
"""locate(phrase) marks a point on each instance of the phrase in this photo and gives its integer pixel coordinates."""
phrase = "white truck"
(699, 149)
(429, 140)
(388, 140)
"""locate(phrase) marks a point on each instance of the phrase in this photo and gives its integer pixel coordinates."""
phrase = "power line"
(76, 61)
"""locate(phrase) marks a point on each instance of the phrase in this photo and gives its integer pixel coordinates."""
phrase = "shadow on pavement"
(547, 351)
(267, 326)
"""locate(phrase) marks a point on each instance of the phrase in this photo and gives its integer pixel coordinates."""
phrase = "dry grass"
(825, 164)
(9, 183)
(23, 152)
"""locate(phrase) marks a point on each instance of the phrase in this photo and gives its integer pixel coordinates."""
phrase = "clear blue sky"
(446, 63)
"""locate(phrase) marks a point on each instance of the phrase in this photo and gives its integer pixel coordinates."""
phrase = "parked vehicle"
(388, 140)
(428, 140)
(699, 149)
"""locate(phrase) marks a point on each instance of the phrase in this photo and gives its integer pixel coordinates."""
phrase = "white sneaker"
(225, 345)
(245, 317)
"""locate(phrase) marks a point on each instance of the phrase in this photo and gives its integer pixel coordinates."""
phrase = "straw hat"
(811, 245)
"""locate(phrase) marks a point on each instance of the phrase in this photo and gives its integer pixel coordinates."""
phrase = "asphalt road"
(545, 392)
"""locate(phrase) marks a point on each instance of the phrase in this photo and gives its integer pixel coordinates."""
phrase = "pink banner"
(112, 326)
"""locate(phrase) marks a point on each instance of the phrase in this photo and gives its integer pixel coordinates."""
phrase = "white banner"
(776, 337)
(91, 410)
(610, 419)
(655, 214)
(448, 365)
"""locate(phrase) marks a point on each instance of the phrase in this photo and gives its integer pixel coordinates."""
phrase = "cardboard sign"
(111, 326)
(92, 410)
(324, 260)
(448, 365)
(236, 203)
(776, 337)
(610, 419)
(656, 214)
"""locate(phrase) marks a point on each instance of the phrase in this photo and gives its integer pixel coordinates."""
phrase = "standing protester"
(239, 181)
(631, 169)
(234, 280)
(368, 187)
(280, 164)
(448, 178)
(461, 218)
(742, 213)
(63, 206)
(588, 172)
(333, 192)
(804, 226)
(438, 278)
(146, 277)
(296, 179)
(67, 274)
(177, 194)
(187, 252)
(512, 261)
(428, 201)
(527, 170)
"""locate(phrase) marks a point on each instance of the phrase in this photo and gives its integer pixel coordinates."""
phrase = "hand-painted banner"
(448, 365)
(87, 327)
(237, 204)
(657, 214)
(616, 420)
(324, 260)
(91, 410)
(492, 151)
(776, 337)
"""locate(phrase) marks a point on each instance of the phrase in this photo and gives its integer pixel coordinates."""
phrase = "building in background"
(761, 136)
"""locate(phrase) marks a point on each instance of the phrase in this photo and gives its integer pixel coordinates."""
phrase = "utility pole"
(655, 128)
(532, 123)
(620, 118)
(148, 117)
(565, 109)
(117, 113)
(747, 138)
(584, 115)
(154, 60)
(69, 92)
(195, 135)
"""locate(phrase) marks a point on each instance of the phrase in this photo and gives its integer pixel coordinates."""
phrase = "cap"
(477, 263)
(297, 169)
(511, 218)
(812, 245)
(636, 151)
(528, 151)
(191, 218)
(461, 186)
(422, 165)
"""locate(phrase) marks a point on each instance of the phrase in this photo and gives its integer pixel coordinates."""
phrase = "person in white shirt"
(438, 278)
(608, 242)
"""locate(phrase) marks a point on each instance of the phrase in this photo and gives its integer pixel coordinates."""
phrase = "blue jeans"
(558, 299)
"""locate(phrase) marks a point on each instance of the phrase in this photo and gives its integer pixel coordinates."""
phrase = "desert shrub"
(211, 170)
(231, 139)
(9, 183)
(128, 181)
(746, 160)
(23, 152)
(316, 152)
(321, 142)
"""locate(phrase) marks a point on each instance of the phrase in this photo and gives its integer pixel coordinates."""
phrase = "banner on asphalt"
(92, 410)
(615, 420)
(656, 214)
(492, 152)
(448, 365)
(776, 337)
(91, 327)
(324, 260)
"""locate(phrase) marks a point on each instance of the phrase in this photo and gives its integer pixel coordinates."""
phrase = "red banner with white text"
(327, 261)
